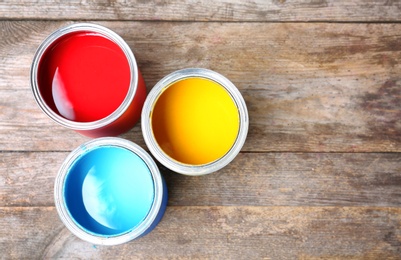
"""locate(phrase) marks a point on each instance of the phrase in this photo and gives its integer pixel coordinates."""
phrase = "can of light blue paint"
(109, 191)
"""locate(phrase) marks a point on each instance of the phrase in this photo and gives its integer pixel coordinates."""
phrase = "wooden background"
(319, 176)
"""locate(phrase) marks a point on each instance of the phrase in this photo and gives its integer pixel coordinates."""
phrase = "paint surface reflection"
(109, 190)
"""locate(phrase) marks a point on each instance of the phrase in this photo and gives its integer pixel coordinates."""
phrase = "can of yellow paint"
(195, 121)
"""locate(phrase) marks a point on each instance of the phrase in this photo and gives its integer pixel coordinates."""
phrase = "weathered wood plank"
(25, 232)
(274, 179)
(218, 232)
(308, 87)
(205, 10)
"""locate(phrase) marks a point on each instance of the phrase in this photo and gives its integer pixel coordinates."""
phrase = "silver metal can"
(57, 104)
(109, 191)
(165, 151)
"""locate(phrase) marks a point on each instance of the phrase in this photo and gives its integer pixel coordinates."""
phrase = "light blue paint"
(109, 190)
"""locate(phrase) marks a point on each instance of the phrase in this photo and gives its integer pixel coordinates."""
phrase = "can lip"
(73, 226)
(187, 169)
(111, 35)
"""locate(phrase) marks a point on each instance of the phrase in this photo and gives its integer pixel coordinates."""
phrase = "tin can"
(109, 191)
(194, 121)
(85, 77)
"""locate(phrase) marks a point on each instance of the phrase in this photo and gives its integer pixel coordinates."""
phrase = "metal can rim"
(194, 170)
(137, 231)
(111, 35)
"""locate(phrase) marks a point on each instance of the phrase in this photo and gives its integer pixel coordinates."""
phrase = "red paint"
(84, 76)
(127, 120)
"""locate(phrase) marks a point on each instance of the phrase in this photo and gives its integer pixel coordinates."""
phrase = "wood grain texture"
(319, 176)
(308, 87)
(205, 10)
(276, 179)
(218, 232)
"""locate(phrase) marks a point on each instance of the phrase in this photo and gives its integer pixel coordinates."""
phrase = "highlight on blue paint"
(109, 190)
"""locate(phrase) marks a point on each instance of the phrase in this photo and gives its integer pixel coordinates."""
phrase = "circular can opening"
(84, 76)
(194, 121)
(109, 191)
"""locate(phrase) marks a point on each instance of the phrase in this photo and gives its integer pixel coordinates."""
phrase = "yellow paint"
(195, 121)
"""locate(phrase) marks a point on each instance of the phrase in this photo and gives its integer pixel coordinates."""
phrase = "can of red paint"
(85, 77)
(109, 191)
(194, 121)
